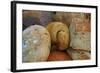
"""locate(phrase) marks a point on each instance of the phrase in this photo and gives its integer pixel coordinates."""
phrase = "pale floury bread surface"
(36, 44)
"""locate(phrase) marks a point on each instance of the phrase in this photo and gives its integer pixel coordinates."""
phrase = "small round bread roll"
(59, 33)
(58, 56)
(36, 44)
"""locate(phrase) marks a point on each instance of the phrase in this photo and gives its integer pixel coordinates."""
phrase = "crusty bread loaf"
(36, 44)
(79, 54)
(80, 33)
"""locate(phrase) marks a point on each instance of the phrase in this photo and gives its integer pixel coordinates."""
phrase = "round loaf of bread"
(59, 33)
(36, 44)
